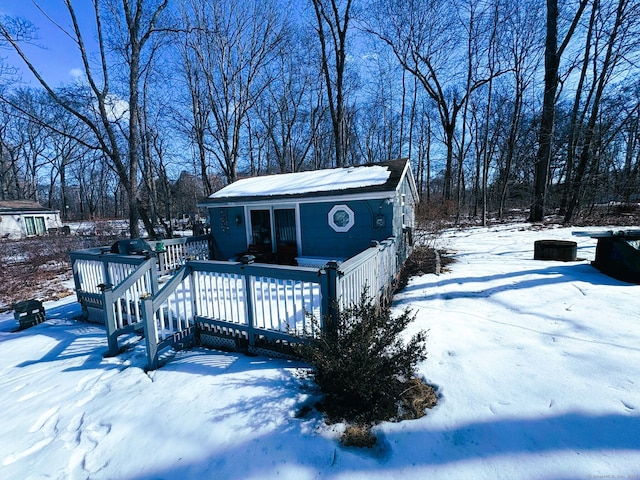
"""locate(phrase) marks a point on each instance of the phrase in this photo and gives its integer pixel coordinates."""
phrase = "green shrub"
(363, 366)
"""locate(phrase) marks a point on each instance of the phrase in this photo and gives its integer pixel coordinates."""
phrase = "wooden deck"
(239, 305)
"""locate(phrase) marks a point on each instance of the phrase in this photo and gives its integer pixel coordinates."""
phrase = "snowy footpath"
(537, 366)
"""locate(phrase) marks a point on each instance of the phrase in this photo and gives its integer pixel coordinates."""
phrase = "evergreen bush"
(362, 365)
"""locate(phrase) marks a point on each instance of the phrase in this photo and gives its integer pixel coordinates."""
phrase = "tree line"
(498, 104)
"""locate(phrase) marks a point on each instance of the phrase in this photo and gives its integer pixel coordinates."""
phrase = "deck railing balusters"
(263, 301)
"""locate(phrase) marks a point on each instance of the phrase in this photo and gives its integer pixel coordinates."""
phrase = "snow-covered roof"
(22, 206)
(379, 177)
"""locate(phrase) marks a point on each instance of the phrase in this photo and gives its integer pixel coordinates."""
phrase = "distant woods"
(499, 104)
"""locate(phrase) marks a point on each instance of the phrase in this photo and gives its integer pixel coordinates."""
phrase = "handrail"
(169, 288)
(364, 256)
(140, 272)
(357, 260)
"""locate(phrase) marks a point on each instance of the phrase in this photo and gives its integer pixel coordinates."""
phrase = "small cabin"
(308, 218)
(283, 250)
(25, 218)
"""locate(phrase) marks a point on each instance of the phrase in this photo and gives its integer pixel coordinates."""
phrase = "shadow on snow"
(287, 449)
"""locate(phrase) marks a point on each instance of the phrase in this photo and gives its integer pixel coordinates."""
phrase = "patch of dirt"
(413, 403)
(422, 260)
(358, 435)
(39, 268)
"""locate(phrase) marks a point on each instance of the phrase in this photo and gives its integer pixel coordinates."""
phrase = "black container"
(135, 246)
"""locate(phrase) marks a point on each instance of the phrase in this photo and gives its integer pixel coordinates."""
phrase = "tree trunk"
(335, 86)
(591, 135)
(575, 123)
(545, 137)
(552, 56)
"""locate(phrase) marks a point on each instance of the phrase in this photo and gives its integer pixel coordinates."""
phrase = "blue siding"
(404, 231)
(229, 238)
(319, 239)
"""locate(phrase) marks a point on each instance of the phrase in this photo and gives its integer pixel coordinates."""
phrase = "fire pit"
(562, 250)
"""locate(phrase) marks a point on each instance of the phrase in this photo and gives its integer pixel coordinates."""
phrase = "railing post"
(211, 254)
(109, 318)
(248, 289)
(331, 303)
(153, 268)
(74, 270)
(194, 297)
(161, 260)
(105, 271)
(150, 331)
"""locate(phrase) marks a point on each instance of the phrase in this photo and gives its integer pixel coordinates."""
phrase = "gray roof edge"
(330, 196)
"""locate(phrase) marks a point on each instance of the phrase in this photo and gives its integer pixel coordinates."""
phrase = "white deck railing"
(173, 253)
(244, 302)
(374, 270)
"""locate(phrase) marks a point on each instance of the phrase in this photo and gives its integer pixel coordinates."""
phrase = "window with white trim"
(341, 218)
(35, 226)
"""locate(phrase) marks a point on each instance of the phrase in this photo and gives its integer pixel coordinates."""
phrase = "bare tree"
(333, 18)
(629, 175)
(424, 39)
(381, 116)
(421, 141)
(140, 18)
(193, 121)
(31, 139)
(62, 154)
(288, 104)
(552, 56)
(524, 55)
(621, 19)
(233, 41)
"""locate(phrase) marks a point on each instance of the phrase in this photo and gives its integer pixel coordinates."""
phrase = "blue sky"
(55, 55)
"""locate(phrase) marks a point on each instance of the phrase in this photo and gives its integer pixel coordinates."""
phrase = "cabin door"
(274, 232)
(285, 226)
(261, 229)
(285, 235)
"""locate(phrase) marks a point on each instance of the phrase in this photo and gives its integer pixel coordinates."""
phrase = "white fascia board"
(412, 182)
(389, 194)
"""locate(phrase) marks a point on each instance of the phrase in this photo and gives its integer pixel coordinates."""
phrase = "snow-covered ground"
(537, 365)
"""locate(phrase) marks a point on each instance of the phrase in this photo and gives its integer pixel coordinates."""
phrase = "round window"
(341, 218)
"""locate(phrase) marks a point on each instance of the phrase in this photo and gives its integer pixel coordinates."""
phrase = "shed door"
(285, 235)
(261, 229)
(273, 231)
(285, 226)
